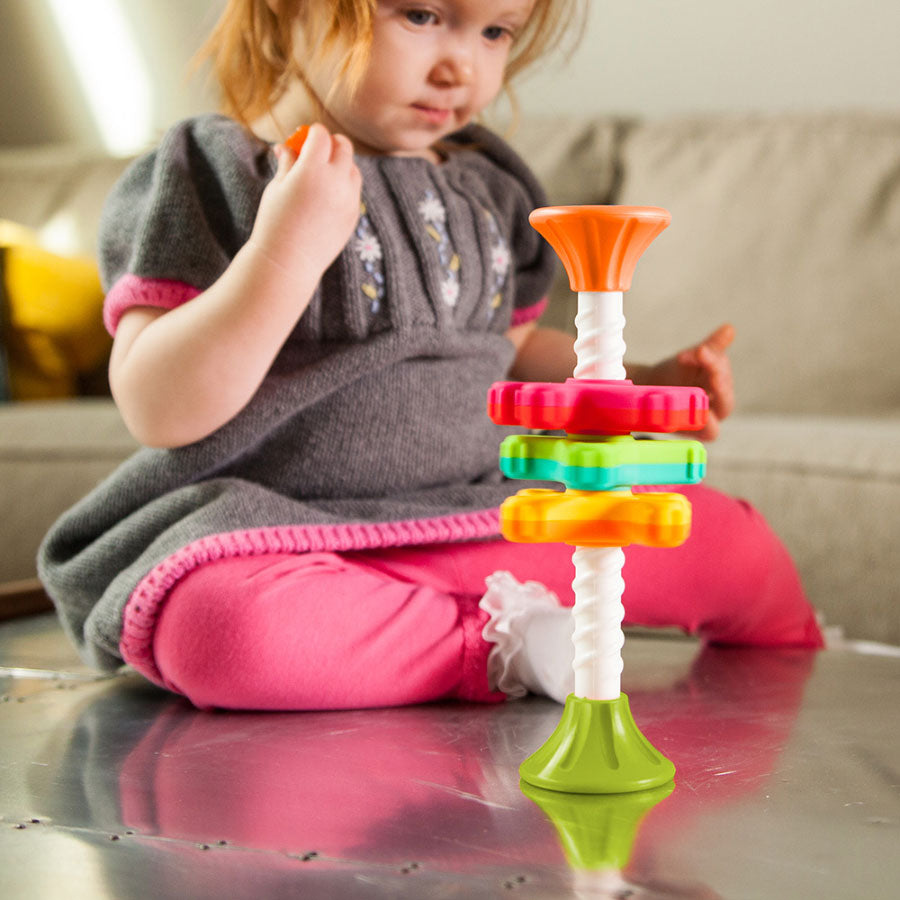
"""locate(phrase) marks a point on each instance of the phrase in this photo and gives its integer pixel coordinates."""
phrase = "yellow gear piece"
(596, 518)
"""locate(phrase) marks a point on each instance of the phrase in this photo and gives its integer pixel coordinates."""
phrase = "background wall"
(644, 57)
(43, 99)
(662, 57)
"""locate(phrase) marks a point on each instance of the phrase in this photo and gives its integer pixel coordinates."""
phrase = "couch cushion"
(830, 487)
(787, 226)
(575, 159)
(51, 455)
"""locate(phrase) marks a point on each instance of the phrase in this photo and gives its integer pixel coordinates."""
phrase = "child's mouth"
(432, 114)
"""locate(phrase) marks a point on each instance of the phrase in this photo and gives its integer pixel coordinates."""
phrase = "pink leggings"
(401, 626)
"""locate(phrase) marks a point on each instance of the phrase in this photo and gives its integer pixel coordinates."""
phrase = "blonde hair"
(253, 56)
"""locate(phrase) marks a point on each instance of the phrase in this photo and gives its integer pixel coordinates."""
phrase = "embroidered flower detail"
(432, 210)
(434, 215)
(368, 248)
(500, 259)
(450, 291)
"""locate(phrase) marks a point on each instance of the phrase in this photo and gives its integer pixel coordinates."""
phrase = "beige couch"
(787, 226)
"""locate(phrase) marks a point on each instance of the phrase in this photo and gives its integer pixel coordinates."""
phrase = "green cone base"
(597, 749)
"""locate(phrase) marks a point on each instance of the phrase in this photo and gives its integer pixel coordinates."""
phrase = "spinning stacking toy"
(597, 748)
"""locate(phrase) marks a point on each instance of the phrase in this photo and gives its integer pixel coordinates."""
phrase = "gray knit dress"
(370, 429)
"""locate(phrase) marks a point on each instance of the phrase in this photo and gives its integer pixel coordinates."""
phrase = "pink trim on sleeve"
(132, 290)
(145, 603)
(529, 313)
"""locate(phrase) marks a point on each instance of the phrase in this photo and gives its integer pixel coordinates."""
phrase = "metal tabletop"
(787, 786)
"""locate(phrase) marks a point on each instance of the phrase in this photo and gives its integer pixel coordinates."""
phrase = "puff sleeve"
(177, 217)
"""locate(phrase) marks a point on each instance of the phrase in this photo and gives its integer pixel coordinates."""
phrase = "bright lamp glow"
(110, 69)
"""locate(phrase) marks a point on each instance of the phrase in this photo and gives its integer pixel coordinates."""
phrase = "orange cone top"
(600, 245)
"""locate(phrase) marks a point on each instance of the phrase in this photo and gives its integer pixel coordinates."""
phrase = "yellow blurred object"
(13, 233)
(52, 324)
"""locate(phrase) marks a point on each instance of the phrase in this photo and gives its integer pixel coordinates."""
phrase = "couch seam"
(801, 469)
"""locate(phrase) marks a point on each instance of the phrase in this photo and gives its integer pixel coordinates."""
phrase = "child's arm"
(545, 354)
(179, 375)
(542, 354)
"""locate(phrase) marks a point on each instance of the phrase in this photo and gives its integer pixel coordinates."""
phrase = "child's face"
(434, 65)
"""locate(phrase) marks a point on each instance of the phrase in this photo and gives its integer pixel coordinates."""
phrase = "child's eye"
(496, 33)
(420, 17)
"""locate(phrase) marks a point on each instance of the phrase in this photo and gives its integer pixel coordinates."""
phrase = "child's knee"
(321, 635)
(203, 638)
(756, 595)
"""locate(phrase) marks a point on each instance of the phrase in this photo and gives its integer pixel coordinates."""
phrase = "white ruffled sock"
(533, 638)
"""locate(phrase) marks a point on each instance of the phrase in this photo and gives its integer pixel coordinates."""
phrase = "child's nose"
(455, 67)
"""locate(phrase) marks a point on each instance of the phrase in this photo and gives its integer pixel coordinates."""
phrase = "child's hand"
(310, 208)
(704, 365)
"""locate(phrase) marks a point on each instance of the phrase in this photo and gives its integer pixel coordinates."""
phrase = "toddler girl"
(305, 343)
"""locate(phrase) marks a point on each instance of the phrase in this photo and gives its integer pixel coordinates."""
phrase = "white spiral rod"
(600, 347)
(598, 584)
(598, 614)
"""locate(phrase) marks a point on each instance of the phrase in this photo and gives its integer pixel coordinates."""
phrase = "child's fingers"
(289, 152)
(321, 148)
(341, 149)
(689, 357)
(721, 338)
(284, 159)
(711, 430)
(330, 148)
(719, 341)
(317, 145)
(343, 161)
(314, 149)
(720, 382)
